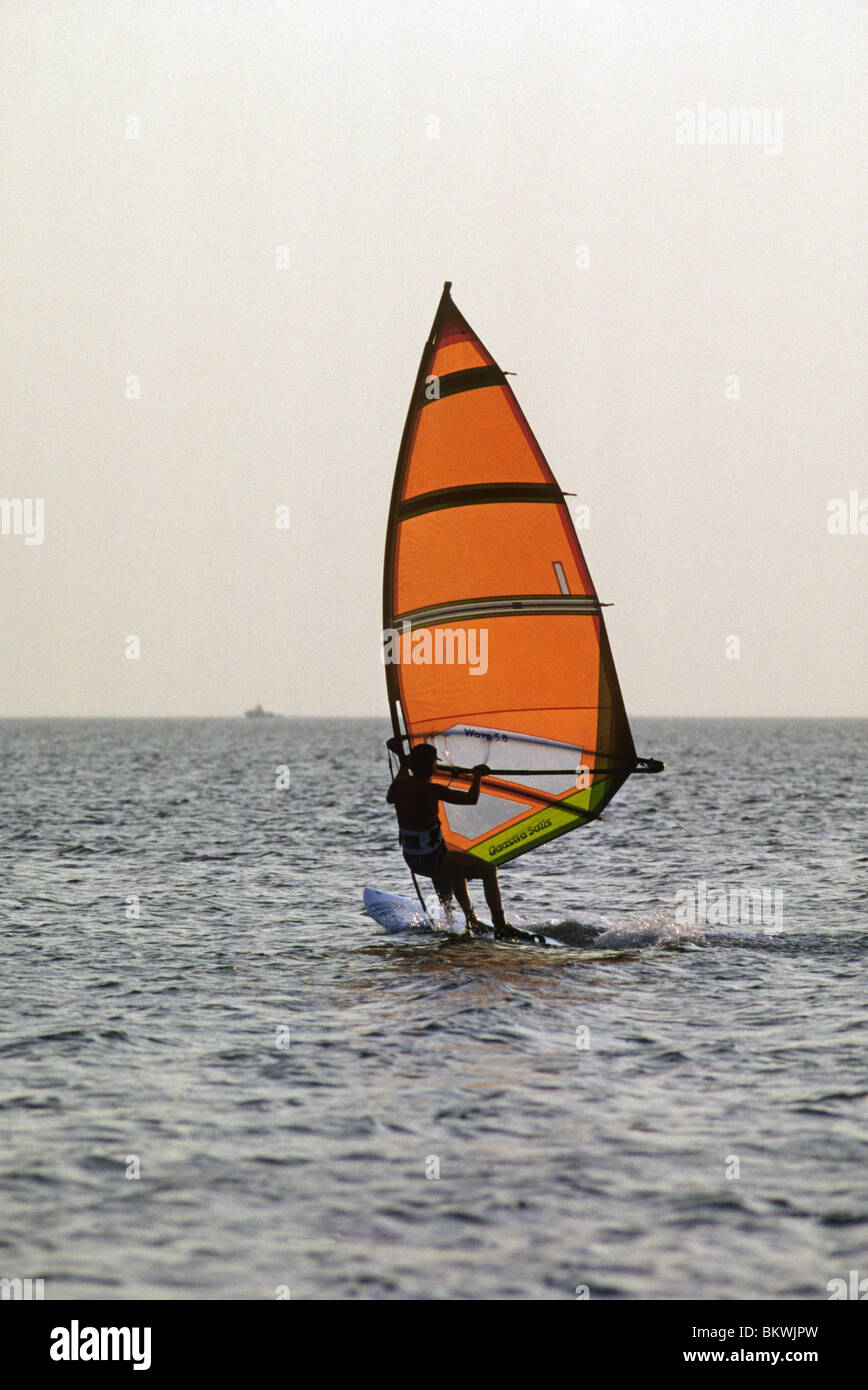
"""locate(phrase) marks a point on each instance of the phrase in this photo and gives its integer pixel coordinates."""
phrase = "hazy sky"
(390, 146)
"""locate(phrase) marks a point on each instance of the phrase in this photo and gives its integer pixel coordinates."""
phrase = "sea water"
(218, 1079)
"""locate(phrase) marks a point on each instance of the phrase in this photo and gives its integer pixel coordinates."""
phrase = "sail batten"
(496, 649)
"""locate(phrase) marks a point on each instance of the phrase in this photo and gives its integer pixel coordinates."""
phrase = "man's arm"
(403, 776)
(396, 746)
(468, 798)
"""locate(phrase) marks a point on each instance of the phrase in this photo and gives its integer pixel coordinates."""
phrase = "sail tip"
(447, 286)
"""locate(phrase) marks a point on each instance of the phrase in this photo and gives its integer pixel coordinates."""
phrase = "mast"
(392, 524)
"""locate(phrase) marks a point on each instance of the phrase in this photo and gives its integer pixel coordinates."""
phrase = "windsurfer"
(415, 799)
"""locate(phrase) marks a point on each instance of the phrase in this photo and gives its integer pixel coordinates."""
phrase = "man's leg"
(459, 868)
(463, 896)
(449, 884)
(453, 875)
(443, 889)
(491, 889)
(462, 866)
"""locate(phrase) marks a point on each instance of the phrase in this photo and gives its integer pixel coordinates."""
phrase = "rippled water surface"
(711, 1049)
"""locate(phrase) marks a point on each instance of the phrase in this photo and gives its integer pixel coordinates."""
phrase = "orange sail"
(494, 641)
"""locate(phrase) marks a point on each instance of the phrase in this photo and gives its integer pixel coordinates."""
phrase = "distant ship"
(259, 713)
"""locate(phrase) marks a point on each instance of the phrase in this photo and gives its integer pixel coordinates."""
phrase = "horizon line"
(384, 718)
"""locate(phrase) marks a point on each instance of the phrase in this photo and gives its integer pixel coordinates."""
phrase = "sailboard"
(402, 916)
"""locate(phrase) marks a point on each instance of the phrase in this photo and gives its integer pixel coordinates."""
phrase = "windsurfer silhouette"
(416, 801)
